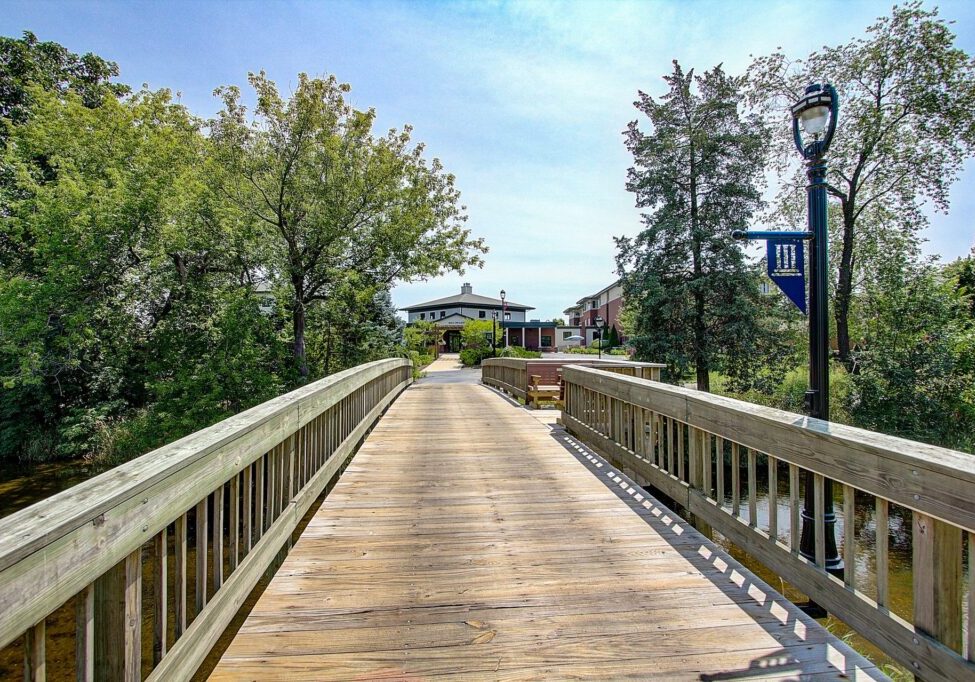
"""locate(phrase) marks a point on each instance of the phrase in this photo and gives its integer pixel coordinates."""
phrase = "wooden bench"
(538, 391)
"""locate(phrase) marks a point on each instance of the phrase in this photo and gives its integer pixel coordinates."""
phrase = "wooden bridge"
(469, 537)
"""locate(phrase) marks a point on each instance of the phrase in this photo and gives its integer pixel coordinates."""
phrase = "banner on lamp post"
(786, 268)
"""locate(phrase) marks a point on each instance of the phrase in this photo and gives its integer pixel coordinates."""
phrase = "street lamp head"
(502, 294)
(815, 113)
(599, 320)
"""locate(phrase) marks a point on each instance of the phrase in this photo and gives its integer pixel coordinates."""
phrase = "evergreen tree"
(692, 296)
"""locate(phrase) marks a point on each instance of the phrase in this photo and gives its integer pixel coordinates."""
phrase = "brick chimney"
(466, 288)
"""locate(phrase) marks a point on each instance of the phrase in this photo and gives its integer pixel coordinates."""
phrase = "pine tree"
(697, 172)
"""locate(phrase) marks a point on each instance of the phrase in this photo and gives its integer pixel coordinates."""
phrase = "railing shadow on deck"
(782, 620)
(681, 442)
(199, 521)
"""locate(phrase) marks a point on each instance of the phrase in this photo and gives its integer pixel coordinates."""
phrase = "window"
(481, 314)
(507, 317)
(443, 314)
(566, 335)
(423, 316)
(546, 341)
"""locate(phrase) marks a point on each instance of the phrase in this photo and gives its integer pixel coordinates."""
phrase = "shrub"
(518, 352)
(473, 356)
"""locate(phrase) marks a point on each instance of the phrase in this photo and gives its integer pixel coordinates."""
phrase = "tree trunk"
(298, 324)
(844, 291)
(298, 319)
(700, 330)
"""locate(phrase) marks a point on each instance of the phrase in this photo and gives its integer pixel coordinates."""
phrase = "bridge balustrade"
(513, 375)
(231, 494)
(680, 441)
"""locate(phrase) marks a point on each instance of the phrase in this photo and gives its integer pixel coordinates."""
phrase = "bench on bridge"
(515, 376)
(539, 392)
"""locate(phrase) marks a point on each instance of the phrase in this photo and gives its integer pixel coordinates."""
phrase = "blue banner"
(786, 269)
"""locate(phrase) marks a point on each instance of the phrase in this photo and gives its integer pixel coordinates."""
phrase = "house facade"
(451, 312)
(606, 303)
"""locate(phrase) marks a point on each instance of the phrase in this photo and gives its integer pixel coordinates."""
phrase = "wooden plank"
(52, 550)
(160, 599)
(773, 497)
(937, 580)
(752, 488)
(201, 554)
(187, 653)
(794, 514)
(133, 617)
(933, 480)
(234, 522)
(118, 621)
(819, 506)
(180, 573)
(218, 497)
(84, 642)
(735, 480)
(35, 653)
(882, 555)
(849, 536)
(436, 555)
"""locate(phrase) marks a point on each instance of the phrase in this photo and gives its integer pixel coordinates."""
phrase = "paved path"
(472, 538)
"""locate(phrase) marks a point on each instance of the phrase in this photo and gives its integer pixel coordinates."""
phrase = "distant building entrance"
(451, 341)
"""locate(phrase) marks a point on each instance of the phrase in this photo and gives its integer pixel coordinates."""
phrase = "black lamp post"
(599, 326)
(494, 335)
(502, 318)
(815, 114)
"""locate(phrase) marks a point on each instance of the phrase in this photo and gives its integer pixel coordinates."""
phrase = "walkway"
(469, 538)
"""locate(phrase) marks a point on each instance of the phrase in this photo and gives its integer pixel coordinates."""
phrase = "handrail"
(680, 441)
(513, 375)
(243, 485)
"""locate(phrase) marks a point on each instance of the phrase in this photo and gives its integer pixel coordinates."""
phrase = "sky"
(524, 102)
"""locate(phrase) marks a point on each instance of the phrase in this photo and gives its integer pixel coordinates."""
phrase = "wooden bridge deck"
(469, 538)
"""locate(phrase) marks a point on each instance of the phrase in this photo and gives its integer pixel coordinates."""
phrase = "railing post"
(695, 473)
(937, 579)
(118, 621)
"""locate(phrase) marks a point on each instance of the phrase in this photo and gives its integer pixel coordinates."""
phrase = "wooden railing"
(230, 495)
(682, 442)
(513, 375)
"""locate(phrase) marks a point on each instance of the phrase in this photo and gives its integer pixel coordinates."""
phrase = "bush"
(518, 352)
(473, 356)
(590, 350)
(790, 395)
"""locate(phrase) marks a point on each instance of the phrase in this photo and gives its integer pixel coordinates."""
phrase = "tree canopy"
(907, 122)
(159, 272)
(696, 171)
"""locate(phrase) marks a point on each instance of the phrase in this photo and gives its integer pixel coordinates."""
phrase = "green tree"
(475, 340)
(963, 272)
(331, 199)
(915, 368)
(907, 122)
(122, 289)
(692, 296)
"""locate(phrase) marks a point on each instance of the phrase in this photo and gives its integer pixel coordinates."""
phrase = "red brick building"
(605, 303)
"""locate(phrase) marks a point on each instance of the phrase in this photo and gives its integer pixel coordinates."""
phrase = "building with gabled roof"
(451, 312)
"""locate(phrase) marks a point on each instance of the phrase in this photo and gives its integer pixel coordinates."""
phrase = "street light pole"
(817, 109)
(503, 310)
(599, 326)
(494, 335)
(816, 112)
